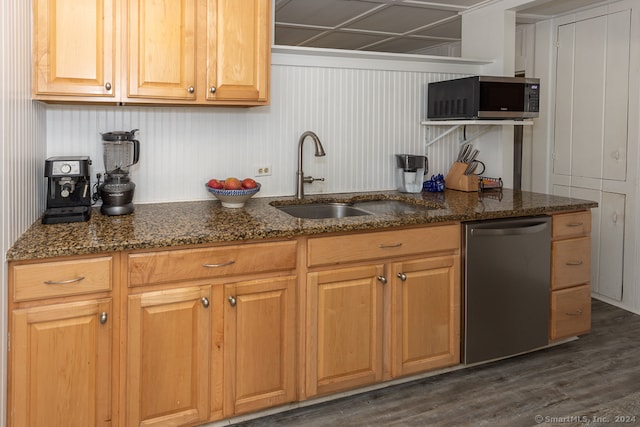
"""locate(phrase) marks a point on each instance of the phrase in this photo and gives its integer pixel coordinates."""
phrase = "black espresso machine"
(68, 189)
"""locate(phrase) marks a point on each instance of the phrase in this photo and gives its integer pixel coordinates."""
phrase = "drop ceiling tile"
(451, 29)
(345, 40)
(400, 19)
(403, 45)
(329, 13)
(293, 36)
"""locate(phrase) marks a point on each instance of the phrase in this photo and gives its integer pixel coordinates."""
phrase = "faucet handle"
(310, 179)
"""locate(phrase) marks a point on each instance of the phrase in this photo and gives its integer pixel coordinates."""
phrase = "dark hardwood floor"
(594, 380)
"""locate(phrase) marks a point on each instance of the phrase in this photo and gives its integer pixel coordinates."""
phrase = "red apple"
(232, 184)
(249, 183)
(214, 183)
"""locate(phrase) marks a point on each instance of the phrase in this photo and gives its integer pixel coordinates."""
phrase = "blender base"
(116, 209)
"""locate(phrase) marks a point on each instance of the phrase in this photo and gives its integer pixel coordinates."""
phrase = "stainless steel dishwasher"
(507, 281)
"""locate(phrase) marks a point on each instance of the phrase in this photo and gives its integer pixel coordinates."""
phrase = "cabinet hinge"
(8, 342)
(557, 44)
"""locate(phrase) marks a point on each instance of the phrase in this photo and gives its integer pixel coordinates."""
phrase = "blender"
(121, 150)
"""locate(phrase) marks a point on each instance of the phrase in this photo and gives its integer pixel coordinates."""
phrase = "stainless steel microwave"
(484, 97)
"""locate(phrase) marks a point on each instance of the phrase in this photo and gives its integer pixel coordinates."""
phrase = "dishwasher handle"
(510, 231)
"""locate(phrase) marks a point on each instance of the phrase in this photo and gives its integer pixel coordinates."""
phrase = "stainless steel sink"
(392, 207)
(326, 210)
(322, 210)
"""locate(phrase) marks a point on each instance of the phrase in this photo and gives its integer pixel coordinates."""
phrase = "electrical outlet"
(264, 170)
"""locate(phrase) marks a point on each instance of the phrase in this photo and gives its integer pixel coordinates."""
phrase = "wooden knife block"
(457, 180)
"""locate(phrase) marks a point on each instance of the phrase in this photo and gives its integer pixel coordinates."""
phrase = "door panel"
(259, 344)
(162, 48)
(564, 101)
(168, 357)
(616, 114)
(74, 47)
(345, 329)
(425, 315)
(238, 52)
(61, 365)
(588, 96)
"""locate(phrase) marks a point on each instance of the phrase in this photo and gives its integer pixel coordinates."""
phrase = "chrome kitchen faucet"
(301, 179)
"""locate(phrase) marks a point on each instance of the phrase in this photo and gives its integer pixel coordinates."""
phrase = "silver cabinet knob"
(382, 279)
(402, 276)
(232, 301)
(107, 86)
(103, 317)
(205, 302)
(212, 89)
(191, 89)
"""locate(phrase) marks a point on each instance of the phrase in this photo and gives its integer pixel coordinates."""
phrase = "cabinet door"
(344, 328)
(74, 47)
(162, 48)
(239, 48)
(259, 332)
(168, 357)
(61, 365)
(425, 315)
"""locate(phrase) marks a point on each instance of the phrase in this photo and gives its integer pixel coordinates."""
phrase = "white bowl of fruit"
(232, 192)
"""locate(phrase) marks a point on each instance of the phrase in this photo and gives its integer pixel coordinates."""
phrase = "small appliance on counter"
(410, 171)
(121, 151)
(68, 189)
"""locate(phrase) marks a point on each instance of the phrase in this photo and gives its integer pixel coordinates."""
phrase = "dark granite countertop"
(160, 225)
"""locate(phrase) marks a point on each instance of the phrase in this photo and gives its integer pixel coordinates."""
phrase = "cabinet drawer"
(570, 312)
(573, 224)
(383, 244)
(61, 278)
(191, 264)
(570, 262)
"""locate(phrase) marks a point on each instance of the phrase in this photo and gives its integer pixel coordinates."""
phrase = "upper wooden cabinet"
(75, 49)
(239, 47)
(163, 38)
(189, 52)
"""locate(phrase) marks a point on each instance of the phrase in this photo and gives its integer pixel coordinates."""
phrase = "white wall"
(21, 151)
(364, 112)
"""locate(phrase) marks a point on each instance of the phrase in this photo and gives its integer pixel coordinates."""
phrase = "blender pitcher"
(121, 151)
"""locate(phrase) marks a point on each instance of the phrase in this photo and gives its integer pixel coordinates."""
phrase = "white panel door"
(564, 101)
(616, 107)
(612, 224)
(588, 96)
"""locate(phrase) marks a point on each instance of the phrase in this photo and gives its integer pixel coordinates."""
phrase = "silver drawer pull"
(224, 264)
(63, 282)
(395, 245)
(574, 263)
(575, 224)
(577, 313)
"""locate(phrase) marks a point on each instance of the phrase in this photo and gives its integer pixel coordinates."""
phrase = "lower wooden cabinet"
(61, 365)
(570, 275)
(259, 344)
(168, 357)
(570, 312)
(425, 315)
(366, 323)
(344, 328)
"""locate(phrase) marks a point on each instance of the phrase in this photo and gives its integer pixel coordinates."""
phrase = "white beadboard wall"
(22, 151)
(362, 116)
